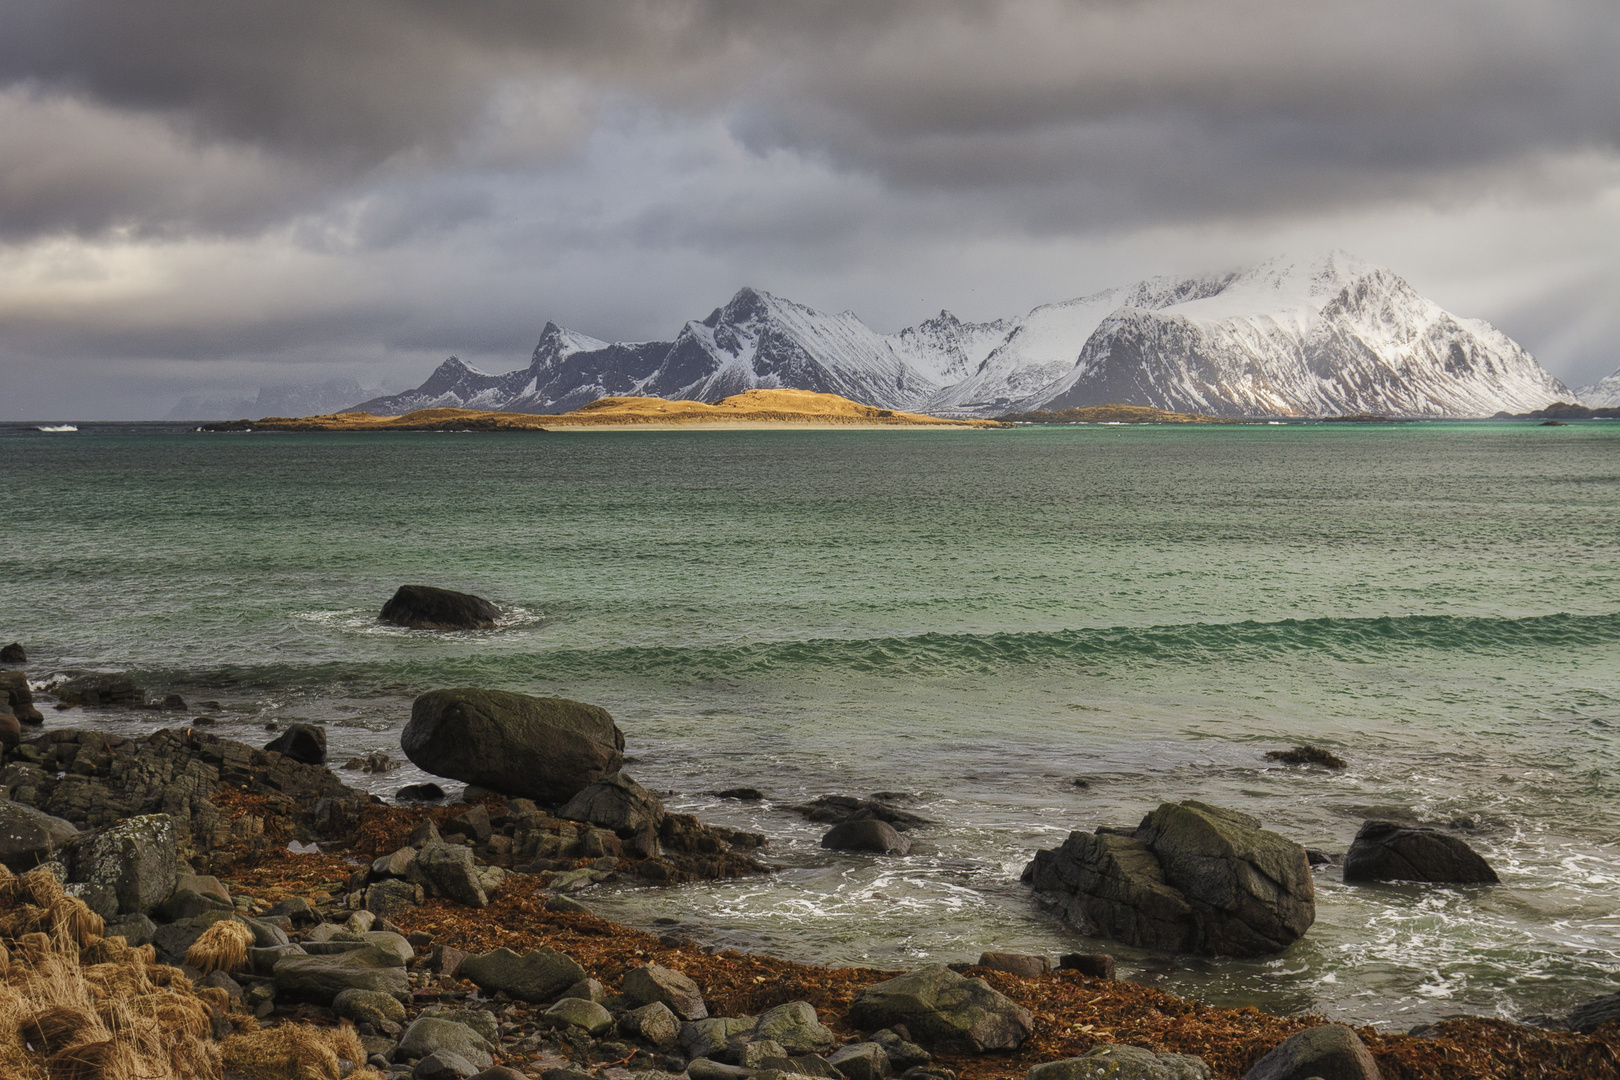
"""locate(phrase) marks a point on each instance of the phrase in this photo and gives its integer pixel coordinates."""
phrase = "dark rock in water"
(14, 692)
(1191, 878)
(423, 607)
(1308, 755)
(173, 703)
(29, 837)
(1321, 858)
(1097, 965)
(101, 691)
(838, 809)
(13, 654)
(867, 834)
(1330, 1052)
(1386, 851)
(1588, 1016)
(1116, 1061)
(429, 792)
(741, 794)
(1015, 963)
(546, 749)
(305, 743)
(942, 1009)
(616, 802)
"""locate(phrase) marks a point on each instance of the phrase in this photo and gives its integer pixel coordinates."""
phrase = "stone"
(752, 1054)
(652, 982)
(97, 691)
(499, 1072)
(432, 1034)
(1117, 1062)
(369, 1007)
(319, 979)
(942, 1009)
(1328, 1052)
(539, 975)
(794, 1025)
(903, 1055)
(474, 825)
(1588, 1016)
(295, 908)
(29, 837)
(136, 929)
(589, 989)
(445, 959)
(1015, 963)
(387, 899)
(1096, 965)
(425, 607)
(741, 794)
(654, 1024)
(448, 870)
(566, 903)
(704, 1038)
(443, 1065)
(172, 940)
(587, 1016)
(836, 809)
(480, 1020)
(1387, 851)
(867, 834)
(305, 743)
(618, 803)
(194, 894)
(360, 922)
(266, 934)
(15, 692)
(705, 1069)
(428, 792)
(10, 729)
(128, 867)
(861, 1061)
(13, 654)
(393, 946)
(546, 749)
(1189, 878)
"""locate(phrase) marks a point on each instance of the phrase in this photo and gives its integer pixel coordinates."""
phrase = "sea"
(1022, 633)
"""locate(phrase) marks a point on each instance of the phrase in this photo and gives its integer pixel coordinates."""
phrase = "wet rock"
(586, 1016)
(1330, 1052)
(1096, 965)
(794, 1025)
(1387, 851)
(425, 607)
(429, 1035)
(538, 975)
(741, 794)
(861, 1061)
(654, 983)
(1307, 755)
(618, 803)
(29, 837)
(448, 870)
(98, 691)
(305, 743)
(1588, 1016)
(1116, 1062)
(868, 834)
(129, 867)
(654, 1024)
(428, 792)
(705, 1069)
(13, 654)
(173, 703)
(14, 692)
(942, 1009)
(1015, 963)
(546, 749)
(837, 809)
(499, 1072)
(1189, 878)
(319, 979)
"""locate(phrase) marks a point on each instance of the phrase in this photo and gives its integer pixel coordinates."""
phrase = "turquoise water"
(976, 618)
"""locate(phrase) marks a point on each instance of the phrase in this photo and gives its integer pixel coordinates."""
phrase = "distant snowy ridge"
(1605, 393)
(1330, 336)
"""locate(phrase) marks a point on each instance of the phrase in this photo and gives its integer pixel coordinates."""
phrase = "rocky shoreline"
(450, 940)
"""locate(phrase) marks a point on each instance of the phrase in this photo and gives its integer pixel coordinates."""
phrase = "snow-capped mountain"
(1605, 393)
(299, 399)
(1324, 337)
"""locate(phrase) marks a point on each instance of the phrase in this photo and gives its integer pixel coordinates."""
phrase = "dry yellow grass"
(222, 947)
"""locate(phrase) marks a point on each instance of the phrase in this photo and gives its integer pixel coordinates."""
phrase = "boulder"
(432, 1035)
(1588, 1016)
(480, 1020)
(861, 1061)
(428, 792)
(867, 834)
(10, 729)
(388, 898)
(474, 825)
(369, 1007)
(444, 1065)
(1015, 963)
(1116, 1062)
(129, 867)
(424, 607)
(538, 975)
(586, 1016)
(942, 1009)
(305, 743)
(1328, 1052)
(1096, 965)
(136, 930)
(448, 870)
(14, 691)
(1190, 878)
(616, 802)
(319, 979)
(654, 1024)
(704, 1038)
(653, 983)
(13, 654)
(794, 1025)
(1387, 851)
(546, 749)
(837, 809)
(29, 837)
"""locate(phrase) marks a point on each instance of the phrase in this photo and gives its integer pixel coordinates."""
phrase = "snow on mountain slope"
(946, 349)
(1605, 393)
(1329, 337)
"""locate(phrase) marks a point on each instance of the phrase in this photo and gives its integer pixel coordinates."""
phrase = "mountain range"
(1322, 337)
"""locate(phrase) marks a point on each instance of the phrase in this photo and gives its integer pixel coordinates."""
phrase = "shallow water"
(976, 618)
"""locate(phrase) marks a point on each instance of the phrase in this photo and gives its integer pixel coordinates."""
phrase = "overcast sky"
(227, 195)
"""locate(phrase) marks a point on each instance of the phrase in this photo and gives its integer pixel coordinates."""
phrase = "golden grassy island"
(750, 409)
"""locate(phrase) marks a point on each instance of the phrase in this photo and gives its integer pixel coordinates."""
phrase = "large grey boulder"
(538, 975)
(655, 1024)
(546, 749)
(319, 979)
(29, 837)
(449, 870)
(615, 802)
(795, 1027)
(580, 1013)
(430, 1035)
(426, 607)
(944, 1010)
(1328, 1052)
(1387, 851)
(1118, 1062)
(1190, 878)
(655, 983)
(129, 867)
(705, 1038)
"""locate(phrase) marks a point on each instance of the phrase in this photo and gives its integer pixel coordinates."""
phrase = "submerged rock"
(1189, 878)
(1387, 851)
(424, 607)
(13, 654)
(546, 749)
